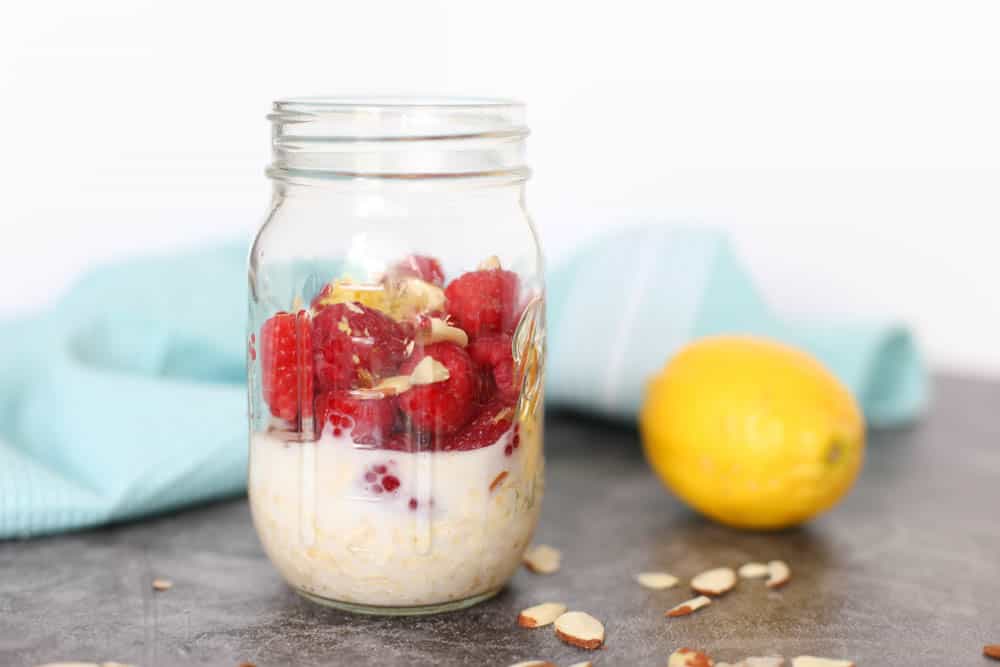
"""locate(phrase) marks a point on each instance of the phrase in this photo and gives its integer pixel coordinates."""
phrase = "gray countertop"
(905, 572)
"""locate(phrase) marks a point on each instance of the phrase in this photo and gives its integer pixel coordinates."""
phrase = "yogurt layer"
(378, 527)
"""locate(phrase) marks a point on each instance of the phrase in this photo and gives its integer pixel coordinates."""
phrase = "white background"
(852, 149)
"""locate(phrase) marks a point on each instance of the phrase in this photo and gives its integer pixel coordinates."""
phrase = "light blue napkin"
(127, 397)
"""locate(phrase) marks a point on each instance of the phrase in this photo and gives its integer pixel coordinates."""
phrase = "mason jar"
(396, 345)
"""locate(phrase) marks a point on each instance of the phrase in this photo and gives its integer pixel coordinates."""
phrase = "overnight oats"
(396, 399)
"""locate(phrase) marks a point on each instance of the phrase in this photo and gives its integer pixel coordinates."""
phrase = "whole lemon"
(752, 433)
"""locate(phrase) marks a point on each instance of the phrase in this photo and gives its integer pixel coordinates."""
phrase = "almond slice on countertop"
(754, 570)
(535, 663)
(542, 559)
(714, 582)
(162, 584)
(778, 574)
(540, 614)
(585, 663)
(992, 651)
(765, 661)
(689, 607)
(688, 657)
(580, 629)
(657, 581)
(810, 661)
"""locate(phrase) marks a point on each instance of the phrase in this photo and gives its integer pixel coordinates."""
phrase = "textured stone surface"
(905, 572)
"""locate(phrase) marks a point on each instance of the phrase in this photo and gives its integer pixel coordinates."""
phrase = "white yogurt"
(330, 533)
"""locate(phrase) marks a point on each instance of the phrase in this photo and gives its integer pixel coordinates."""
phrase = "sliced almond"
(778, 574)
(992, 651)
(353, 307)
(689, 607)
(754, 570)
(714, 582)
(810, 661)
(657, 581)
(428, 371)
(688, 657)
(542, 559)
(497, 481)
(489, 264)
(535, 663)
(585, 663)
(439, 331)
(580, 629)
(414, 295)
(162, 584)
(765, 661)
(540, 615)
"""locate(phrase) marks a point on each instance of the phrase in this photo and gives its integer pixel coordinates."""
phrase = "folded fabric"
(127, 397)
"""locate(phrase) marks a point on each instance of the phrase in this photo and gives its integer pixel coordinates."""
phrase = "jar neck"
(333, 140)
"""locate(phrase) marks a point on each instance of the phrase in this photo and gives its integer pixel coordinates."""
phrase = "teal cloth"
(127, 397)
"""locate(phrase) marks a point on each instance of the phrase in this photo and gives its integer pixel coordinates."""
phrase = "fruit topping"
(286, 365)
(423, 267)
(485, 429)
(354, 345)
(494, 355)
(441, 407)
(369, 421)
(484, 302)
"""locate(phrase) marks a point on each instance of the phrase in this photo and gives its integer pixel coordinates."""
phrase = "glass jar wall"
(396, 344)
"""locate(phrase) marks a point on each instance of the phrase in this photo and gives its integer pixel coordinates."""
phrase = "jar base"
(421, 610)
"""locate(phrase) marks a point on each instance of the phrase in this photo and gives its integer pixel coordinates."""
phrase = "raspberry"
(370, 420)
(354, 345)
(483, 302)
(442, 407)
(491, 423)
(494, 355)
(419, 266)
(286, 365)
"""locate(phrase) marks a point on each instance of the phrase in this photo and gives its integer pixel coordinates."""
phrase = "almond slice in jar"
(489, 264)
(754, 571)
(437, 330)
(689, 607)
(540, 615)
(542, 559)
(688, 657)
(810, 661)
(714, 582)
(657, 581)
(497, 481)
(778, 574)
(580, 629)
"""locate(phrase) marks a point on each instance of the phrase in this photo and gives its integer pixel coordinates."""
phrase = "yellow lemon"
(752, 433)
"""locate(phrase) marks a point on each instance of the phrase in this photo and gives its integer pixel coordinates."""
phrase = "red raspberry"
(369, 420)
(483, 302)
(484, 430)
(442, 407)
(495, 356)
(354, 345)
(286, 365)
(419, 266)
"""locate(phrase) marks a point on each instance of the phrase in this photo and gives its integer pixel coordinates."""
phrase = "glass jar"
(396, 344)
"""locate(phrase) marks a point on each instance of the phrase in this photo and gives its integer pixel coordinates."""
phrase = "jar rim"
(394, 102)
